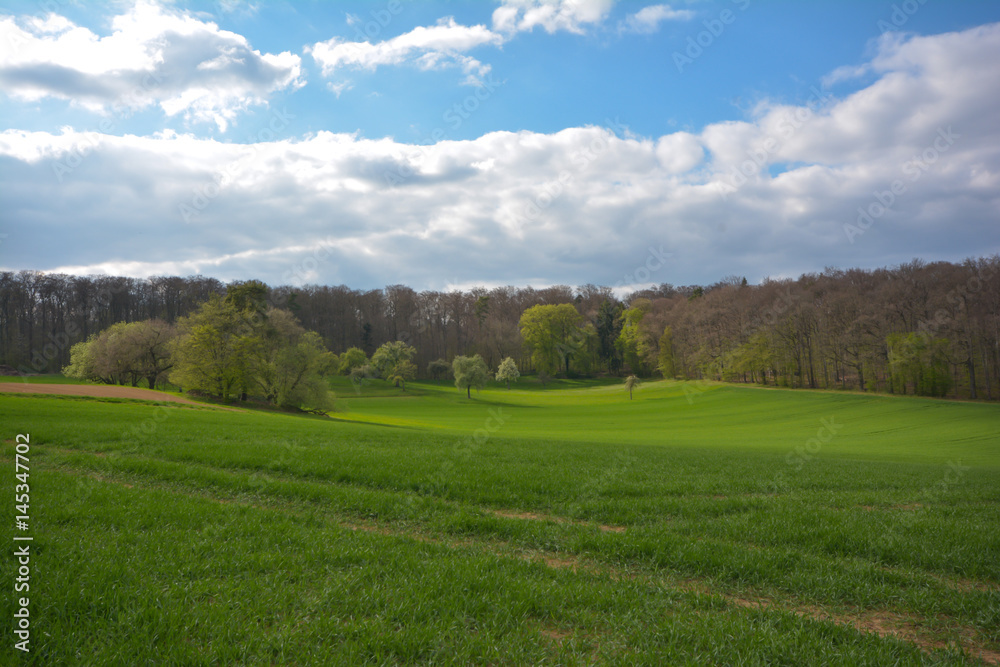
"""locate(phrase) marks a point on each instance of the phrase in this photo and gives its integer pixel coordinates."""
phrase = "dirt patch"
(879, 622)
(555, 635)
(99, 391)
(532, 516)
(911, 507)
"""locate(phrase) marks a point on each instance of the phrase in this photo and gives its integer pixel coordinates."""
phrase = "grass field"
(696, 524)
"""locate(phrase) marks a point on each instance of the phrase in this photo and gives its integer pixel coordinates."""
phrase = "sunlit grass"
(411, 529)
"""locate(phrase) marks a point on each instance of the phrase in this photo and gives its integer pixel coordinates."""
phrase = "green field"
(696, 524)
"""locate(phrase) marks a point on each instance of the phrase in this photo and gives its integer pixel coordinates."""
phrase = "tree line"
(917, 328)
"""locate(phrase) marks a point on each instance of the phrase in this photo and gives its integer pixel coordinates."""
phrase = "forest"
(917, 328)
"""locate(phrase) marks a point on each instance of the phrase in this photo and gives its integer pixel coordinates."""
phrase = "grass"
(695, 524)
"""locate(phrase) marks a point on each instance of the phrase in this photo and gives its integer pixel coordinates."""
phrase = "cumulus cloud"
(648, 19)
(446, 44)
(550, 15)
(434, 47)
(154, 55)
(770, 194)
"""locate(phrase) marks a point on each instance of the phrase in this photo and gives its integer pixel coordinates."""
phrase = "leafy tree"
(288, 365)
(247, 297)
(124, 353)
(631, 342)
(470, 372)
(212, 350)
(665, 358)
(389, 356)
(223, 348)
(439, 368)
(302, 367)
(360, 375)
(401, 372)
(149, 349)
(919, 361)
(609, 325)
(81, 365)
(507, 371)
(549, 331)
(631, 382)
(353, 358)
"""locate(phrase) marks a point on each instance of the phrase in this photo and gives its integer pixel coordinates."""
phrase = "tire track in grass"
(534, 516)
(884, 623)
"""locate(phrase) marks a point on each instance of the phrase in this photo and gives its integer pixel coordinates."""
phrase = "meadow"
(697, 524)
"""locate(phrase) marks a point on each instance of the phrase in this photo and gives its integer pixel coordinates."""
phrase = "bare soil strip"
(533, 516)
(99, 391)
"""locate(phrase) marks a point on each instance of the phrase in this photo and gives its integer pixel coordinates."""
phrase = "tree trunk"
(468, 391)
(970, 363)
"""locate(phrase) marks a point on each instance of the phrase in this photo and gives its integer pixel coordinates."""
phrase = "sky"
(452, 144)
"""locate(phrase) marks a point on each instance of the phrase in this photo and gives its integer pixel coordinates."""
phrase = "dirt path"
(96, 390)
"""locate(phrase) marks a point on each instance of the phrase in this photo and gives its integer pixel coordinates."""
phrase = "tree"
(247, 296)
(609, 325)
(360, 375)
(211, 351)
(665, 358)
(81, 365)
(631, 382)
(470, 372)
(353, 358)
(507, 371)
(149, 347)
(439, 368)
(920, 361)
(223, 347)
(632, 342)
(124, 354)
(389, 356)
(550, 332)
(401, 372)
(289, 365)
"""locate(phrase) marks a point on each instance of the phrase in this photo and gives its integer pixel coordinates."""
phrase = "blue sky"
(452, 144)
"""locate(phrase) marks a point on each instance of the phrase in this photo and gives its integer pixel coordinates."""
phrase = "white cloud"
(154, 55)
(446, 44)
(648, 19)
(580, 205)
(433, 47)
(551, 15)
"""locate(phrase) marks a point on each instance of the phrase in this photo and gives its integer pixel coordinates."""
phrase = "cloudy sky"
(524, 142)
